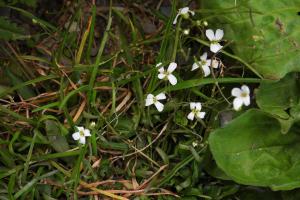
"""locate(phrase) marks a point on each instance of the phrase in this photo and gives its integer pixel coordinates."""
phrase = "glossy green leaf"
(251, 150)
(263, 33)
(276, 97)
(55, 136)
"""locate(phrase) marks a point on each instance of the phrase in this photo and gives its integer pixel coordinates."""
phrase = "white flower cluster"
(242, 96)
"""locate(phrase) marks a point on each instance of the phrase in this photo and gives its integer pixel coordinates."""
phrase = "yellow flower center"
(244, 94)
(195, 111)
(81, 133)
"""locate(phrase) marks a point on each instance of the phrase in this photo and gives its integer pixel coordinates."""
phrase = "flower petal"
(215, 47)
(184, 10)
(198, 106)
(161, 96)
(191, 116)
(175, 20)
(192, 105)
(196, 65)
(80, 128)
(219, 34)
(206, 70)
(149, 100)
(161, 76)
(236, 92)
(245, 89)
(87, 133)
(246, 100)
(237, 103)
(76, 135)
(203, 57)
(82, 140)
(161, 70)
(150, 96)
(200, 115)
(172, 67)
(172, 79)
(210, 34)
(192, 12)
(159, 106)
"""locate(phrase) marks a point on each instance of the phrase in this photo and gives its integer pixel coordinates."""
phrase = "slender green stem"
(99, 56)
(176, 40)
(26, 166)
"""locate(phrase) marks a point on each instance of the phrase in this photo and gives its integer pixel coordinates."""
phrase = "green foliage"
(252, 151)
(263, 33)
(277, 97)
(31, 3)
(99, 75)
(10, 30)
(55, 134)
(26, 92)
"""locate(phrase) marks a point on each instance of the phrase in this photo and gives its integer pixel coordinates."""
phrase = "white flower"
(242, 96)
(151, 99)
(184, 12)
(81, 134)
(204, 64)
(196, 108)
(215, 63)
(215, 39)
(168, 74)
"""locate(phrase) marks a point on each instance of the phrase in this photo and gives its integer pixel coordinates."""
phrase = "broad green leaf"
(251, 150)
(276, 97)
(263, 33)
(55, 136)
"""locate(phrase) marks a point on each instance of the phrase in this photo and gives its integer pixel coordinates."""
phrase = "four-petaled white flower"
(168, 73)
(81, 134)
(204, 63)
(184, 12)
(215, 39)
(242, 96)
(151, 99)
(196, 108)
